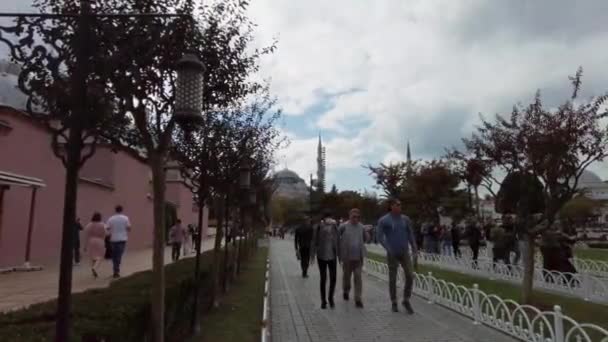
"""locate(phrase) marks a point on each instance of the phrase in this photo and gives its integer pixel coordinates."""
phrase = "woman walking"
(95, 234)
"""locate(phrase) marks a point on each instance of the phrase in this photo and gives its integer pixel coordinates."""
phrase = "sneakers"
(408, 307)
(345, 296)
(324, 305)
(331, 303)
(395, 308)
(359, 304)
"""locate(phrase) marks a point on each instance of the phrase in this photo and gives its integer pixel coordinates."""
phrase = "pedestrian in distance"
(303, 241)
(455, 231)
(119, 228)
(352, 254)
(326, 249)
(473, 235)
(177, 235)
(94, 244)
(396, 234)
(77, 230)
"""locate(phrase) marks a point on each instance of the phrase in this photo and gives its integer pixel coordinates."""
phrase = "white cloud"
(423, 69)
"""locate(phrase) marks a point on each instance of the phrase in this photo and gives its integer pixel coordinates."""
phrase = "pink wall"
(26, 151)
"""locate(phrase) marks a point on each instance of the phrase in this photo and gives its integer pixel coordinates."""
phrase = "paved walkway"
(296, 314)
(20, 289)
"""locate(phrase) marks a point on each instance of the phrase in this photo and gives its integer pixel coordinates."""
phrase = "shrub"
(120, 312)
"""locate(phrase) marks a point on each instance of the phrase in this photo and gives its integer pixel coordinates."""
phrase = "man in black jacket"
(303, 241)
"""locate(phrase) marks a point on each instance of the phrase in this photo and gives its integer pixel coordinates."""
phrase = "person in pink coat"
(95, 233)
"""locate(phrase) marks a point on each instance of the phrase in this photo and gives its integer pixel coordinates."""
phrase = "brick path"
(296, 313)
(20, 289)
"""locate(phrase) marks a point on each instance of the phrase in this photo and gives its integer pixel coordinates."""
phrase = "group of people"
(109, 239)
(330, 244)
(97, 233)
(182, 239)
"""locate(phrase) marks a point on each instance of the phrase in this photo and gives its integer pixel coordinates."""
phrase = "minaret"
(408, 157)
(320, 166)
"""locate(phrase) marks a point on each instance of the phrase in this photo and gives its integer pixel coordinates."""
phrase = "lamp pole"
(76, 123)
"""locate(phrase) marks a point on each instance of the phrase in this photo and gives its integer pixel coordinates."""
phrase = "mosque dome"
(10, 95)
(290, 185)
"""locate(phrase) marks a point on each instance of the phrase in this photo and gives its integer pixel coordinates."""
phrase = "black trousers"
(456, 248)
(77, 250)
(475, 250)
(324, 266)
(304, 259)
(175, 250)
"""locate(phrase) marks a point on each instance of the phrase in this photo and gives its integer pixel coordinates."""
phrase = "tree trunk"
(64, 299)
(226, 258)
(195, 324)
(158, 263)
(528, 259)
(477, 209)
(217, 250)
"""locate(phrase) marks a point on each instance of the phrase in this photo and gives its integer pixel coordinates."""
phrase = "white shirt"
(118, 225)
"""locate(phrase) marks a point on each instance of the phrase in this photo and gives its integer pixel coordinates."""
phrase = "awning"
(12, 179)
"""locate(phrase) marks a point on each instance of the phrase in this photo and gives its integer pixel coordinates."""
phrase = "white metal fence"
(265, 334)
(582, 285)
(598, 268)
(524, 322)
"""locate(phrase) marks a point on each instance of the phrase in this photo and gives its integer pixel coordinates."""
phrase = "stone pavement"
(21, 289)
(296, 314)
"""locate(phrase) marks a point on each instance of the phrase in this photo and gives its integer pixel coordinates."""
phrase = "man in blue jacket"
(395, 232)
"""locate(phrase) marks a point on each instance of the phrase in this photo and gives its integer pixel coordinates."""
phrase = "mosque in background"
(290, 185)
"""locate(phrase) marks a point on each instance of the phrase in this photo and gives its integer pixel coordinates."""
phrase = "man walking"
(326, 246)
(455, 231)
(119, 227)
(302, 241)
(352, 252)
(177, 235)
(395, 233)
(77, 230)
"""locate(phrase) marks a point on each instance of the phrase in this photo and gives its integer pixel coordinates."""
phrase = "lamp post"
(77, 125)
(252, 200)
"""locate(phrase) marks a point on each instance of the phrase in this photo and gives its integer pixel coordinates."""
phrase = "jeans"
(304, 259)
(176, 247)
(324, 265)
(352, 268)
(118, 248)
(393, 264)
(446, 247)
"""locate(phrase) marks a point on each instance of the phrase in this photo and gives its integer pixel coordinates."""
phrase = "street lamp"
(189, 89)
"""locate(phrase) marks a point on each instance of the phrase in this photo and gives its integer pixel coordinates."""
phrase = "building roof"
(13, 179)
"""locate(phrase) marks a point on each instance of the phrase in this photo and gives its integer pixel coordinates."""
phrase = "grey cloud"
(559, 20)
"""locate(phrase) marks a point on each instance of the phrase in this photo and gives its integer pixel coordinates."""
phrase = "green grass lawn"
(583, 312)
(240, 315)
(592, 253)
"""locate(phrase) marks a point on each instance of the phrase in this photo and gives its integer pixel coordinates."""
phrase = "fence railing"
(582, 285)
(265, 333)
(598, 268)
(523, 322)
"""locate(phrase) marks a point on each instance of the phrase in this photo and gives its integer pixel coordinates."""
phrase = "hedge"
(120, 312)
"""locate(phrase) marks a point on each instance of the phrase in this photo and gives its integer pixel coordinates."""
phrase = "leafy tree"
(579, 210)
(390, 178)
(553, 146)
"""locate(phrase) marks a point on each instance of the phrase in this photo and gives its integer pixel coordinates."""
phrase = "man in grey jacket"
(352, 252)
(326, 249)
(395, 232)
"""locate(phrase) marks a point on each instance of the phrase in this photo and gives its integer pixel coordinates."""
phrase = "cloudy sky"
(370, 75)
